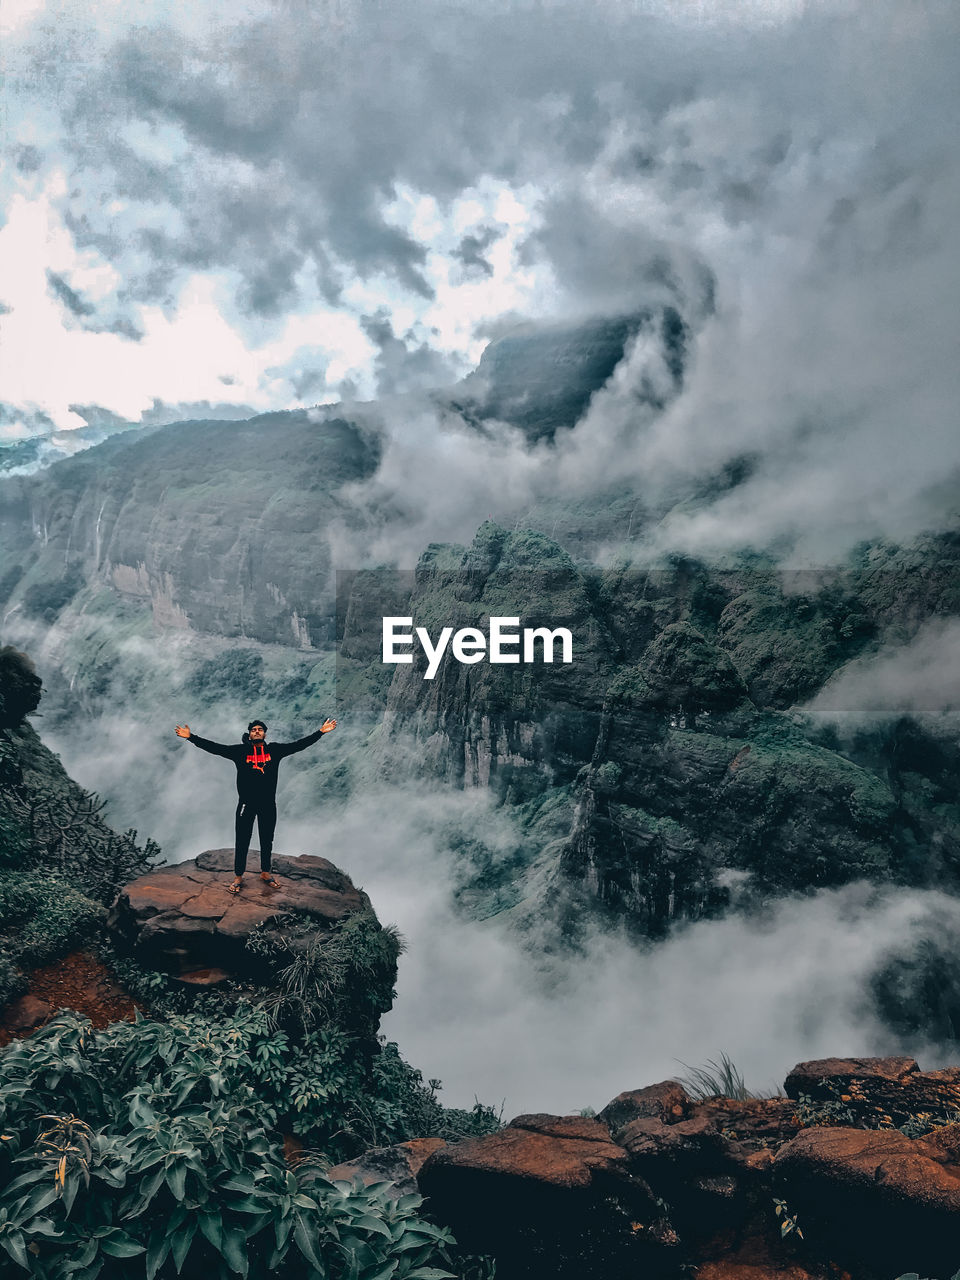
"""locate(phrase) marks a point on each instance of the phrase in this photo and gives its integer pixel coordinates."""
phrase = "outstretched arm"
(282, 749)
(215, 748)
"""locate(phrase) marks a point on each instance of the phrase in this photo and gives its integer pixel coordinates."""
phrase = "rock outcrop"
(541, 378)
(872, 1089)
(181, 919)
(547, 1194)
(874, 1198)
(397, 1165)
(659, 1182)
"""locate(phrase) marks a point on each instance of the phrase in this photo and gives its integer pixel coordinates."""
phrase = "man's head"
(256, 730)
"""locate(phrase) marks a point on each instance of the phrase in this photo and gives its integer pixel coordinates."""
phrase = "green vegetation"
(342, 977)
(49, 824)
(715, 1080)
(788, 1220)
(41, 918)
(152, 1149)
(59, 862)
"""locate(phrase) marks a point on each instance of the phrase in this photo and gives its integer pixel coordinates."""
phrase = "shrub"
(59, 829)
(43, 917)
(12, 981)
(341, 977)
(151, 1147)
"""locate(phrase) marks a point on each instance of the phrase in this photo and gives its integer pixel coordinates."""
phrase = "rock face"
(210, 526)
(398, 1165)
(547, 1194)
(541, 378)
(659, 780)
(902, 1191)
(891, 1089)
(682, 1184)
(181, 918)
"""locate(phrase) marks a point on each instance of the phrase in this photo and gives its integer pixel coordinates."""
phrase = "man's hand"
(328, 726)
(183, 731)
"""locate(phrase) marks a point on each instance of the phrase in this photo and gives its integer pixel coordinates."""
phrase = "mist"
(490, 1010)
(920, 678)
(416, 181)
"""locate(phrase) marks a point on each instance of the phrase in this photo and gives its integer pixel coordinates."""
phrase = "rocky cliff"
(211, 526)
(541, 379)
(662, 773)
(854, 1171)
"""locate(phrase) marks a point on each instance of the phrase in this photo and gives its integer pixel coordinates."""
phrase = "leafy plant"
(788, 1220)
(43, 916)
(152, 1149)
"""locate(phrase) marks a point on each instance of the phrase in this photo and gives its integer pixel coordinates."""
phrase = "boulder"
(667, 1101)
(398, 1165)
(548, 1195)
(734, 1270)
(26, 1014)
(181, 919)
(656, 1147)
(752, 1122)
(695, 1168)
(875, 1199)
(888, 1090)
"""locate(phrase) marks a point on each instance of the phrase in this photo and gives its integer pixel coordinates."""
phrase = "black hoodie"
(257, 762)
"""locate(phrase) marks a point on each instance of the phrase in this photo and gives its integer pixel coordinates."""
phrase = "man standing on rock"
(258, 764)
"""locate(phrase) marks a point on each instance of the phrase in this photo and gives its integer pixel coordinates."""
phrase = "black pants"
(265, 812)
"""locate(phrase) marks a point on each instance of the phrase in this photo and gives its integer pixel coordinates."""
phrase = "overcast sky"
(285, 203)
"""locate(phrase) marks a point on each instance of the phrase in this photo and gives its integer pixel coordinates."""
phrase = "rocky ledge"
(182, 920)
(659, 1183)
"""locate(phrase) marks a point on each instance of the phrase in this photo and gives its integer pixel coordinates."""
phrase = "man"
(258, 763)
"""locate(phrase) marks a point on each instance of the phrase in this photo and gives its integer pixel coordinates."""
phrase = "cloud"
(415, 178)
(483, 1011)
(69, 297)
(919, 679)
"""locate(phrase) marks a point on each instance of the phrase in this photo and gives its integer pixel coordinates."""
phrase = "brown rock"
(587, 1128)
(733, 1270)
(947, 1141)
(182, 918)
(548, 1159)
(703, 1175)
(547, 1195)
(26, 1014)
(806, 1075)
(204, 977)
(398, 1165)
(667, 1101)
(885, 1089)
(650, 1140)
(752, 1120)
(876, 1198)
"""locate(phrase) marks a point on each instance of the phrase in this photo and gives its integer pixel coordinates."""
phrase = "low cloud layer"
(920, 679)
(483, 1015)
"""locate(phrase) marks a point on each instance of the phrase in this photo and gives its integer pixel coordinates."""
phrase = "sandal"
(269, 880)
(235, 887)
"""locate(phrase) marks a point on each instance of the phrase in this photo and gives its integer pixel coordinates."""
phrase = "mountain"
(541, 378)
(668, 773)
